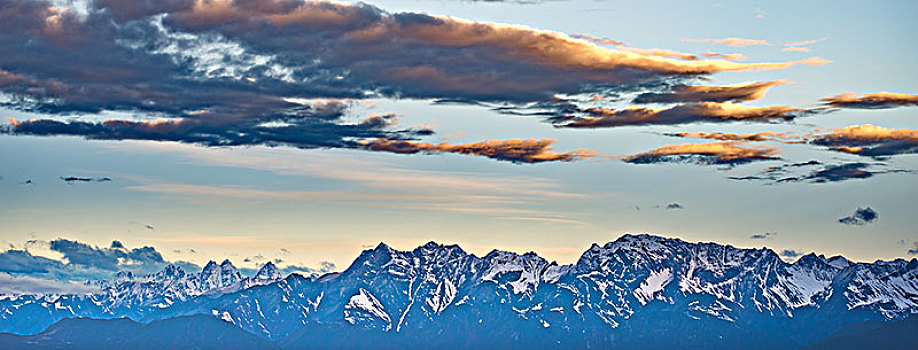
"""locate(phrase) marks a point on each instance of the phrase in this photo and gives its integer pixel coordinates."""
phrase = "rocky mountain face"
(639, 291)
(129, 296)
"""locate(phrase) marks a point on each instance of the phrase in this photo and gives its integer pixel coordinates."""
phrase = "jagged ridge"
(618, 288)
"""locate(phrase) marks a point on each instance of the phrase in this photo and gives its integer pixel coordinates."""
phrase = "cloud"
(517, 151)
(712, 112)
(761, 136)
(327, 266)
(232, 54)
(673, 206)
(21, 261)
(257, 258)
(81, 262)
(726, 56)
(913, 251)
(10, 284)
(309, 127)
(72, 179)
(803, 42)
(790, 253)
(828, 173)
(735, 42)
(879, 100)
(728, 152)
(111, 258)
(728, 93)
(660, 53)
(280, 73)
(762, 235)
(860, 217)
(842, 172)
(870, 141)
(795, 49)
(597, 40)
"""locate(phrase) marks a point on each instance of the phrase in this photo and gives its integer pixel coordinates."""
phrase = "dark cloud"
(861, 216)
(105, 258)
(762, 235)
(729, 93)
(673, 206)
(81, 262)
(760, 136)
(256, 258)
(914, 250)
(835, 173)
(879, 100)
(870, 141)
(316, 48)
(72, 179)
(790, 253)
(302, 129)
(226, 73)
(786, 173)
(517, 151)
(21, 261)
(728, 153)
(700, 112)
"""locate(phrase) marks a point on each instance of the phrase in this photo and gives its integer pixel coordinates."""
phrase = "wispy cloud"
(713, 112)
(728, 93)
(517, 151)
(74, 179)
(735, 42)
(762, 235)
(796, 49)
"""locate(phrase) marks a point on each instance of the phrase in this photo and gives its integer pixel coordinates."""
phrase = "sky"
(304, 132)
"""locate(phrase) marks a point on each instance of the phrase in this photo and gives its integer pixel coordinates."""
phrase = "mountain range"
(640, 291)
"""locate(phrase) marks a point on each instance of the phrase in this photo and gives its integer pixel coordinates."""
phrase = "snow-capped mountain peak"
(631, 279)
(268, 272)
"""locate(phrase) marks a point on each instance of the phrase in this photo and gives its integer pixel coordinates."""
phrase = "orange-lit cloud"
(726, 56)
(661, 53)
(879, 100)
(501, 40)
(597, 40)
(727, 152)
(871, 141)
(735, 42)
(683, 114)
(518, 151)
(734, 93)
(803, 43)
(795, 49)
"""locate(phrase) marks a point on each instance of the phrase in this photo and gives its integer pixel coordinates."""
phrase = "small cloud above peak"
(861, 216)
